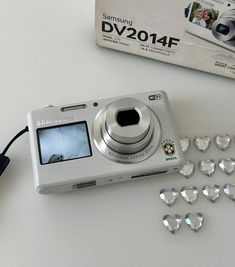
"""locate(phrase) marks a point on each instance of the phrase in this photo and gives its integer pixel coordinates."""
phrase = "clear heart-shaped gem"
(188, 169)
(229, 190)
(194, 221)
(211, 192)
(169, 196)
(202, 143)
(172, 222)
(227, 165)
(223, 141)
(185, 144)
(207, 167)
(189, 193)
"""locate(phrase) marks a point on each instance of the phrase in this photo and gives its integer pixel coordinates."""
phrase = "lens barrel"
(224, 28)
(132, 137)
(126, 128)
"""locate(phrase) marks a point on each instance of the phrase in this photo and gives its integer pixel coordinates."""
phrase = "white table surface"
(48, 55)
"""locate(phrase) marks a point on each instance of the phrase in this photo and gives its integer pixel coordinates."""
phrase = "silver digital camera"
(213, 20)
(103, 142)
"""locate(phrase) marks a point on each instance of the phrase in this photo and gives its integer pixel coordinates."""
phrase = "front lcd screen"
(64, 142)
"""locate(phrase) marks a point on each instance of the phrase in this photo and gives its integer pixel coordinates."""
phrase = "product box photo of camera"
(102, 142)
(197, 34)
(213, 21)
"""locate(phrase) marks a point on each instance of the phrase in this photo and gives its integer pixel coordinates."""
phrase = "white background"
(48, 56)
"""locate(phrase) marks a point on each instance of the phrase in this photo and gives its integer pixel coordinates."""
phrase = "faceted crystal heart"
(223, 141)
(211, 192)
(227, 165)
(172, 222)
(194, 221)
(189, 193)
(202, 143)
(169, 196)
(229, 190)
(188, 169)
(207, 167)
(185, 144)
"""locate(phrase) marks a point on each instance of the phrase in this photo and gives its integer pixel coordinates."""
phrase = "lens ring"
(227, 23)
(229, 14)
(123, 147)
(110, 154)
(129, 134)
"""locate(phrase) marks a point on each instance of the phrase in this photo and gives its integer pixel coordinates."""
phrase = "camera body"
(103, 142)
(214, 21)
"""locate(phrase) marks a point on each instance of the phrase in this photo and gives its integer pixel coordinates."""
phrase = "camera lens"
(126, 131)
(223, 29)
(127, 126)
(128, 117)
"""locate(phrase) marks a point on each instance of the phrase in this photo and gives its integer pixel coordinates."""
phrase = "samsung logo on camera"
(59, 120)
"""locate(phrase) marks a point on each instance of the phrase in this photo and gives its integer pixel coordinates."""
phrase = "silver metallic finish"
(194, 221)
(187, 169)
(129, 150)
(131, 134)
(189, 194)
(75, 174)
(169, 196)
(223, 141)
(227, 165)
(227, 19)
(185, 143)
(126, 148)
(172, 222)
(207, 167)
(229, 190)
(211, 192)
(202, 143)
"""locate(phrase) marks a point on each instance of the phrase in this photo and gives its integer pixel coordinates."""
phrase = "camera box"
(197, 34)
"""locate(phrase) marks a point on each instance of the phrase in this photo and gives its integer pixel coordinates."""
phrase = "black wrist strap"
(4, 160)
